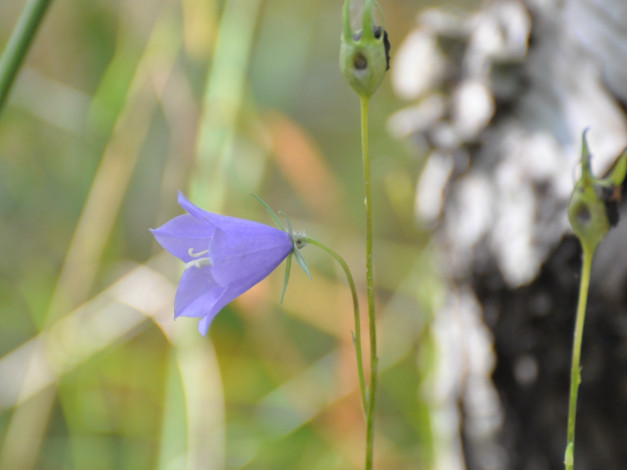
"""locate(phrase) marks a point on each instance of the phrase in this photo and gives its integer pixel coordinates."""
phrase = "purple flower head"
(224, 257)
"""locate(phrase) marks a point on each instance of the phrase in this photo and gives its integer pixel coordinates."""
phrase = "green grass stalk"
(18, 45)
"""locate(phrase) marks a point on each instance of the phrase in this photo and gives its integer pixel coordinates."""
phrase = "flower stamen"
(200, 261)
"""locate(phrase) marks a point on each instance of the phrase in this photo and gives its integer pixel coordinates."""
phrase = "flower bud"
(364, 55)
(593, 207)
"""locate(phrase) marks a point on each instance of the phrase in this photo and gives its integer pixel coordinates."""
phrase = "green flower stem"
(575, 377)
(19, 42)
(365, 148)
(591, 214)
(357, 334)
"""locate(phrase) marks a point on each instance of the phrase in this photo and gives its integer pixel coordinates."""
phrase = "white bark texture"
(498, 103)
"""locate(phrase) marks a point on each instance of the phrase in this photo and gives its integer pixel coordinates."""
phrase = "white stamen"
(191, 253)
(197, 263)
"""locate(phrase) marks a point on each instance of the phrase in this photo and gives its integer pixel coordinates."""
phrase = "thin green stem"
(19, 42)
(575, 376)
(365, 148)
(357, 334)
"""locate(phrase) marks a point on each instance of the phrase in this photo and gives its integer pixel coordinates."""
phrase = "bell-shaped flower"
(224, 257)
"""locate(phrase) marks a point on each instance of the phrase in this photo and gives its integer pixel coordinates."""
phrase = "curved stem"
(19, 42)
(575, 376)
(357, 334)
(365, 148)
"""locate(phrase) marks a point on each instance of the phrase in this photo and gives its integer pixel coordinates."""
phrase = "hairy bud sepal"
(364, 55)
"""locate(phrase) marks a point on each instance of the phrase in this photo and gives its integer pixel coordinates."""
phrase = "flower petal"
(198, 294)
(192, 209)
(247, 256)
(184, 232)
(223, 222)
(205, 323)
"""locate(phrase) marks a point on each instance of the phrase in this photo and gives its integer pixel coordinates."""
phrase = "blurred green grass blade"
(26, 431)
(18, 45)
(204, 401)
(222, 101)
(172, 450)
(119, 159)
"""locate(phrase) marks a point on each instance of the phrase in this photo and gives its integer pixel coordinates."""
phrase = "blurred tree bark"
(500, 100)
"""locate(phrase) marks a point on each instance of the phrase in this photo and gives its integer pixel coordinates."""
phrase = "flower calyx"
(298, 241)
(364, 54)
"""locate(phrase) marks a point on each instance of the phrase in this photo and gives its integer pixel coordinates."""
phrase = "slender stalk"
(575, 376)
(357, 334)
(19, 42)
(365, 149)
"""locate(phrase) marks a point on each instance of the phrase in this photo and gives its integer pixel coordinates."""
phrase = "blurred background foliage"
(119, 105)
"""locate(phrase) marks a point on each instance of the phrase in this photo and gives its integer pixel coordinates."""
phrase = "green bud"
(593, 207)
(364, 55)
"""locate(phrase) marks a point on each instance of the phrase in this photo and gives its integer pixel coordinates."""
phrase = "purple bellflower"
(224, 257)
